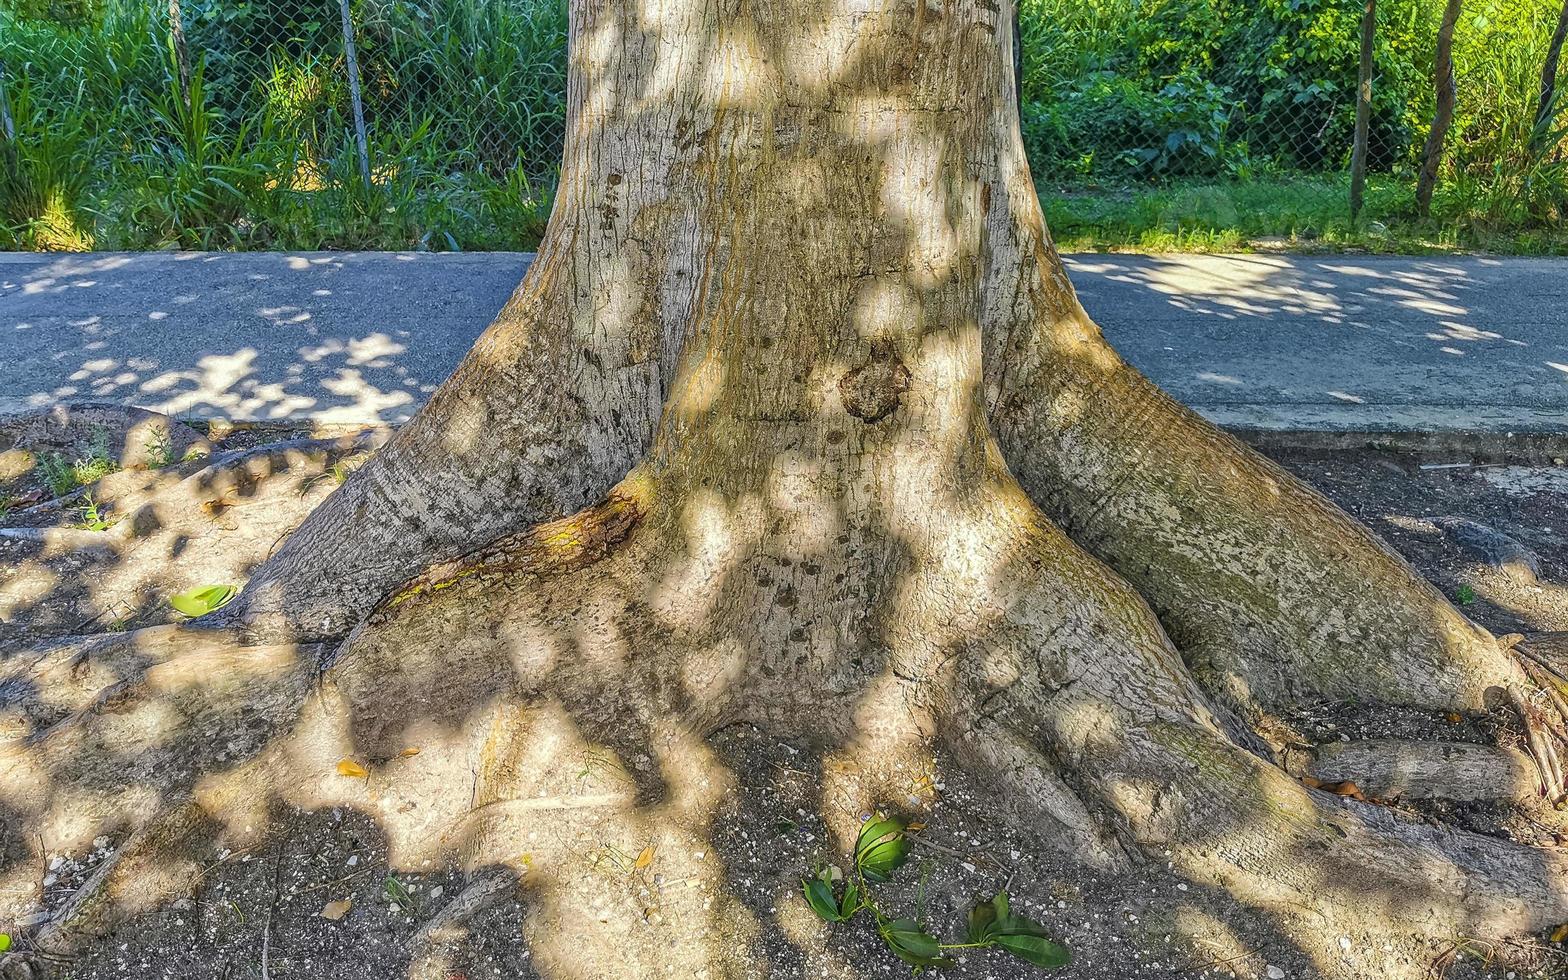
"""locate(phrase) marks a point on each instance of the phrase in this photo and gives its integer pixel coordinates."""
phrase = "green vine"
(881, 849)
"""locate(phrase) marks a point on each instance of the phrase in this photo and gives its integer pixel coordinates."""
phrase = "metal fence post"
(7, 126)
(1358, 152)
(352, 62)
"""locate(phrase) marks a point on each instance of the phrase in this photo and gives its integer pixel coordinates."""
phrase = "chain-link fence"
(235, 123)
(1178, 88)
(480, 83)
(136, 119)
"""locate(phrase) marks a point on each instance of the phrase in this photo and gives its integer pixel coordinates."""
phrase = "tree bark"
(1547, 107)
(795, 421)
(1447, 88)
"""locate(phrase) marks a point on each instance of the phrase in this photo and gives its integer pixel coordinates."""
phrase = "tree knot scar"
(874, 390)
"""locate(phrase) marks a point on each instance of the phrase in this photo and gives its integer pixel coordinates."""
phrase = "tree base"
(609, 913)
(526, 725)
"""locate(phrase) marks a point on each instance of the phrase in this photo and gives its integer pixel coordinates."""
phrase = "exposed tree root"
(1389, 769)
(202, 522)
(504, 671)
(1272, 593)
(1112, 606)
(1274, 596)
(451, 480)
(132, 438)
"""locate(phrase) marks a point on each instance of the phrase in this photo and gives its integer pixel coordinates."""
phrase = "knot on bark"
(874, 390)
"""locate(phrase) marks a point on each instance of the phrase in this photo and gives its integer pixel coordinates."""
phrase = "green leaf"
(393, 891)
(819, 895)
(885, 858)
(994, 922)
(881, 848)
(851, 902)
(875, 830)
(1035, 949)
(912, 944)
(982, 922)
(203, 599)
(5, 941)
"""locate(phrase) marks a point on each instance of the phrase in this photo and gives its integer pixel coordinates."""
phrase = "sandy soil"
(259, 914)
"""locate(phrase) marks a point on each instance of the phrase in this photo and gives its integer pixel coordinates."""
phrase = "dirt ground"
(259, 913)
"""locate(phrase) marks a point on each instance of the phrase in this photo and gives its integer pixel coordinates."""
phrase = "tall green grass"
(466, 100)
(1507, 170)
(1143, 110)
(488, 75)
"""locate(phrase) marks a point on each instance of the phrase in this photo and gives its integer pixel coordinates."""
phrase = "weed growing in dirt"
(64, 475)
(395, 893)
(881, 849)
(343, 469)
(91, 517)
(339, 472)
(159, 449)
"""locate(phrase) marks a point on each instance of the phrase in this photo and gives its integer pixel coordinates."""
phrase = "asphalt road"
(1268, 341)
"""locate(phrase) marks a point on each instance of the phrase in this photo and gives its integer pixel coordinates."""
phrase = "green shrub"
(191, 185)
(44, 174)
(62, 474)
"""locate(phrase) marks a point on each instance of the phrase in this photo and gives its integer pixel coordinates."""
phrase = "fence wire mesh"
(464, 100)
(478, 85)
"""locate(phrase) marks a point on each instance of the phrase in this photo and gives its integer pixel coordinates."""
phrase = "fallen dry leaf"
(336, 910)
(1560, 933)
(348, 767)
(645, 858)
(1453, 718)
(1345, 788)
(406, 753)
(917, 825)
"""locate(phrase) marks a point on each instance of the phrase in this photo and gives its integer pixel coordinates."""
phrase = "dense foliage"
(1233, 92)
(465, 103)
(464, 99)
(1236, 87)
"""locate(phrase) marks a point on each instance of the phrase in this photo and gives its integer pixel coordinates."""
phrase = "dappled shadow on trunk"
(783, 239)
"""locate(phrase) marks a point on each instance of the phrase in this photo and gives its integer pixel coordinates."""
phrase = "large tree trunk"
(865, 470)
